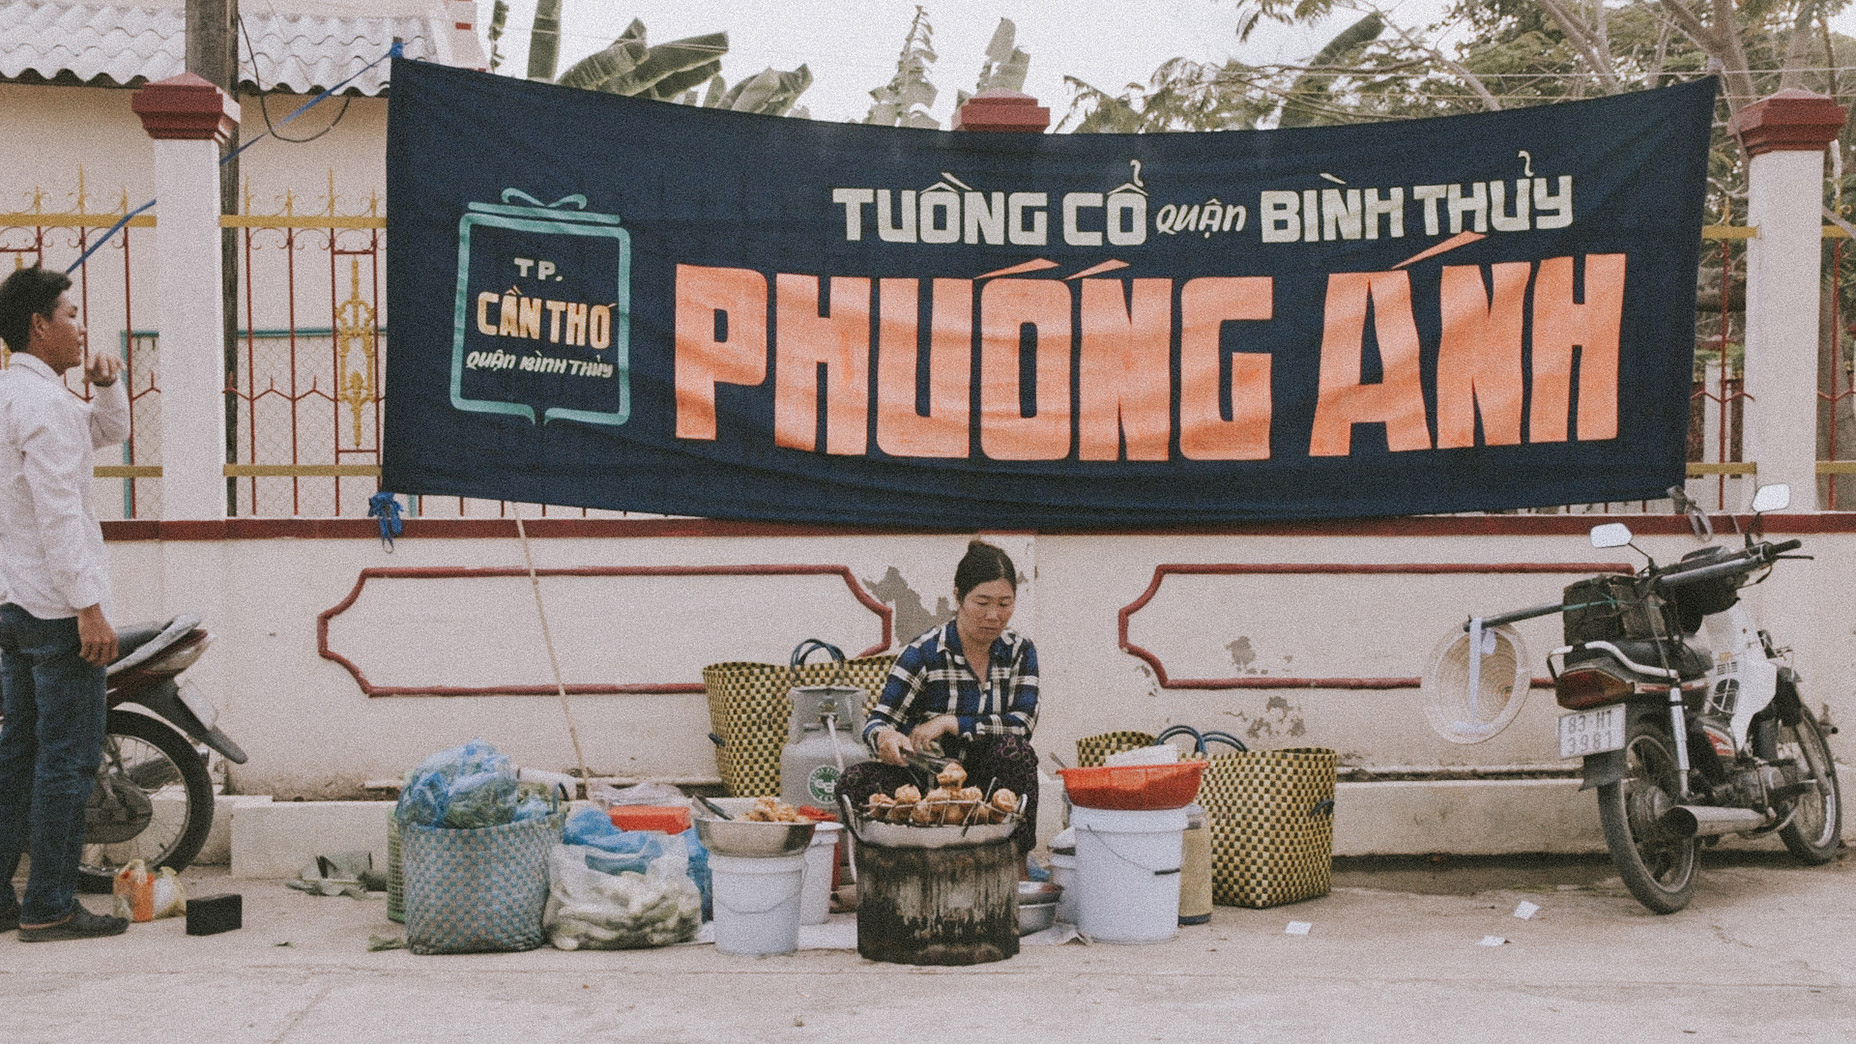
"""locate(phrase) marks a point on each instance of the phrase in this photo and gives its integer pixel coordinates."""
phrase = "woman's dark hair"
(26, 293)
(981, 564)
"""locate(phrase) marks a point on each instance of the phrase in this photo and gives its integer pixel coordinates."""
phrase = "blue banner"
(603, 302)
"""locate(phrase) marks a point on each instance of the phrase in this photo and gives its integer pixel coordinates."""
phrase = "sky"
(851, 46)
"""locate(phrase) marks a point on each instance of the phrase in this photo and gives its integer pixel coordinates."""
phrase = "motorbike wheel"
(1816, 826)
(1658, 870)
(155, 788)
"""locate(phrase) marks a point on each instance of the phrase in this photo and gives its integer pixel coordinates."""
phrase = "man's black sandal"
(82, 924)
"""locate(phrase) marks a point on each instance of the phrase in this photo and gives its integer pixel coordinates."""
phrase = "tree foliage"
(905, 100)
(687, 71)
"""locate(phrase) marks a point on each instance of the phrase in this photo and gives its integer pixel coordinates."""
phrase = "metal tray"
(898, 835)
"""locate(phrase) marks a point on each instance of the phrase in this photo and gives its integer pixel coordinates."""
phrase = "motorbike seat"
(1688, 661)
(137, 644)
(134, 636)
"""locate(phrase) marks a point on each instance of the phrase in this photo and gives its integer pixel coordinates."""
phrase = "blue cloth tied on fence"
(384, 507)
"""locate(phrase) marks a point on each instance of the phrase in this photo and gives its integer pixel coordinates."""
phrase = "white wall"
(313, 733)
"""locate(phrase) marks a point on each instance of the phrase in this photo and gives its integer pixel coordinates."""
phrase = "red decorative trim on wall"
(584, 528)
(1161, 572)
(883, 612)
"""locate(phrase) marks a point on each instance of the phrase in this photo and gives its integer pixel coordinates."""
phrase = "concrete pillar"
(1785, 136)
(1002, 111)
(189, 119)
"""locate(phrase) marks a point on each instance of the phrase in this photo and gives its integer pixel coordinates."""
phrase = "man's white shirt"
(52, 560)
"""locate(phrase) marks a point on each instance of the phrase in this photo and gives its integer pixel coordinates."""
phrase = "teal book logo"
(542, 324)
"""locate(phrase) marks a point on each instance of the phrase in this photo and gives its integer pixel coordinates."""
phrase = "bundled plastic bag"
(597, 902)
(143, 896)
(467, 788)
(634, 849)
(607, 796)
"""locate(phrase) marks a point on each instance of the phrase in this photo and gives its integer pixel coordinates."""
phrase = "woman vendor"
(970, 686)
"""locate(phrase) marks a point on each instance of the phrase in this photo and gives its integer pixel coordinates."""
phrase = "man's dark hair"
(26, 293)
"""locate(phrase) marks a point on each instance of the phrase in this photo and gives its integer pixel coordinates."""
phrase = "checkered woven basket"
(1272, 824)
(396, 873)
(749, 710)
(1093, 751)
(477, 891)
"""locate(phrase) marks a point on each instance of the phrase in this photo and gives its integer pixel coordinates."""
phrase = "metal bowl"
(737, 837)
(1037, 905)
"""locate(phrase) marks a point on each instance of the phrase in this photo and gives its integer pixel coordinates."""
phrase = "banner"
(603, 302)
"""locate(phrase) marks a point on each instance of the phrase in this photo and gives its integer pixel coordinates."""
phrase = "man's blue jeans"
(50, 745)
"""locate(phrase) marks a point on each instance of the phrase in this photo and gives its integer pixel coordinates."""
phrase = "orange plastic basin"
(1134, 788)
(671, 819)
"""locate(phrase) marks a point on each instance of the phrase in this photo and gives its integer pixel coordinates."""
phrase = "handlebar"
(1755, 557)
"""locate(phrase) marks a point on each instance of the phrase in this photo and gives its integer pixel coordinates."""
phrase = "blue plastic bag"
(699, 872)
(466, 788)
(633, 849)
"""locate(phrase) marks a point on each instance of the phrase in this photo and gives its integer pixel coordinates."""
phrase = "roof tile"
(100, 42)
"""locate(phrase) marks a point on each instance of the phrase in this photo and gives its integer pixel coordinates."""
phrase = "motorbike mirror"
(1611, 534)
(1772, 498)
(1698, 522)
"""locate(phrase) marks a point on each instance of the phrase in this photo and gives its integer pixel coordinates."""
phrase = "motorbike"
(153, 799)
(1690, 719)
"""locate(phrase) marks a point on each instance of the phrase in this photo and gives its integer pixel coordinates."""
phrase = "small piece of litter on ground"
(1492, 940)
(1297, 928)
(376, 943)
(1526, 910)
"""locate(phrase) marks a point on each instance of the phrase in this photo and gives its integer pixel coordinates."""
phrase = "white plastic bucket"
(757, 902)
(1063, 873)
(1127, 868)
(821, 860)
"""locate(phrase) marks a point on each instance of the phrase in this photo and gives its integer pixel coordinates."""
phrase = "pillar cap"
(1002, 111)
(185, 108)
(1789, 121)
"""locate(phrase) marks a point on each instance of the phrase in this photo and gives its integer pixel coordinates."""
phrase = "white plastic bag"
(598, 900)
(648, 793)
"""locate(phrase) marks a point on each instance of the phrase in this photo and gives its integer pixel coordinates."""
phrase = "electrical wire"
(263, 106)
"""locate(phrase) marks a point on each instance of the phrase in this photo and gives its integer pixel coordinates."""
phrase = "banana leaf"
(677, 83)
(616, 62)
(768, 92)
(544, 44)
(671, 59)
(1307, 95)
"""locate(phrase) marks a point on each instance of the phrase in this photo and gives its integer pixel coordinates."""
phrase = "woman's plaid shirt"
(932, 677)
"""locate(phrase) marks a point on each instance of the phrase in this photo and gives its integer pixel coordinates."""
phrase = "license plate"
(1592, 732)
(208, 714)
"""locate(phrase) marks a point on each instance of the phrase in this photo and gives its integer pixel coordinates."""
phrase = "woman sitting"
(969, 686)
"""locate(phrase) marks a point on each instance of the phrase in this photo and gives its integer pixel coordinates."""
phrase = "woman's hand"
(933, 729)
(891, 745)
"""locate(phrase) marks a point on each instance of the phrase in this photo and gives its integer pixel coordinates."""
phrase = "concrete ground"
(1767, 952)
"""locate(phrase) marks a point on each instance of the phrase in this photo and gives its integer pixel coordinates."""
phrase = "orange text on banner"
(1511, 336)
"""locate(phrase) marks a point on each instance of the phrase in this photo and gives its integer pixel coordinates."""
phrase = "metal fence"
(304, 381)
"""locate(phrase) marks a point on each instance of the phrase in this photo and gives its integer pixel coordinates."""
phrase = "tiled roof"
(301, 46)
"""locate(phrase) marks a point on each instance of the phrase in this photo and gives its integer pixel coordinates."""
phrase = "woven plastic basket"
(478, 891)
(749, 711)
(396, 873)
(1272, 822)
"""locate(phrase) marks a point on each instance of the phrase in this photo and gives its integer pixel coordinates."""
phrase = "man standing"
(55, 634)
